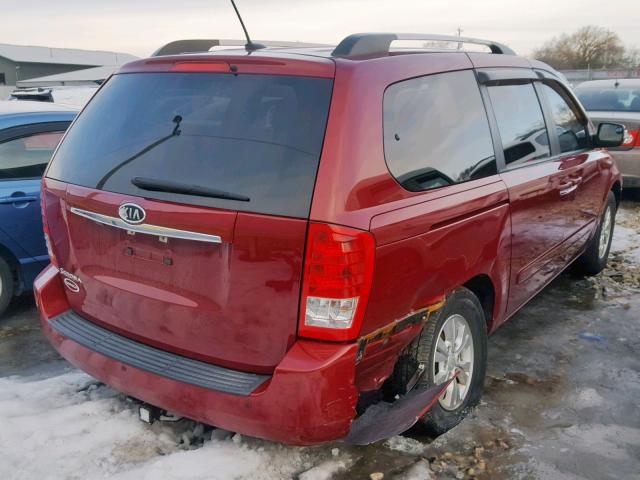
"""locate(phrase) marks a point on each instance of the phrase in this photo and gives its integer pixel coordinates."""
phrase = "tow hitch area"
(384, 420)
(149, 414)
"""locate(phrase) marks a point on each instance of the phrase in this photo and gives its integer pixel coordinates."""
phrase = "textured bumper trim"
(153, 360)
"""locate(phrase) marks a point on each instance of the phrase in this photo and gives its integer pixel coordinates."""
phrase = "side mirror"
(610, 135)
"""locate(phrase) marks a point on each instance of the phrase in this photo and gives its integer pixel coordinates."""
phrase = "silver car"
(618, 101)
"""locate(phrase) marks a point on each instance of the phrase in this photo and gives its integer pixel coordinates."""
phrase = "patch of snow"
(75, 96)
(625, 238)
(419, 471)
(325, 470)
(587, 398)
(610, 441)
(69, 427)
(405, 444)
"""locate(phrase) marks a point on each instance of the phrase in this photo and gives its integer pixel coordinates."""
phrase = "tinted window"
(520, 122)
(436, 131)
(27, 157)
(610, 99)
(572, 132)
(256, 136)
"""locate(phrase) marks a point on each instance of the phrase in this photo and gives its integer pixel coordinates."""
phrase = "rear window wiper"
(155, 185)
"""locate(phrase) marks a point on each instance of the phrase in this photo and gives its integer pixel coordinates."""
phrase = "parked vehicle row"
(267, 239)
(617, 101)
(29, 133)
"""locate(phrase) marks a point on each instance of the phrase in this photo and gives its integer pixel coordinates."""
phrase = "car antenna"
(249, 46)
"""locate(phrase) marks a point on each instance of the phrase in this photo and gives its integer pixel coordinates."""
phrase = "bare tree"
(589, 47)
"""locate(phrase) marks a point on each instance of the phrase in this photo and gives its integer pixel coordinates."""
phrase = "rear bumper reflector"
(153, 360)
(145, 228)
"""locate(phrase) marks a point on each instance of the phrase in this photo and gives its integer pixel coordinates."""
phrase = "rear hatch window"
(257, 138)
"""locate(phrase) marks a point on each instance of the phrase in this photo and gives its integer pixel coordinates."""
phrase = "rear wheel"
(6, 285)
(454, 340)
(594, 259)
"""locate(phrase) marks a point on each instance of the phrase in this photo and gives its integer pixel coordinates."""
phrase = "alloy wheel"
(605, 232)
(454, 353)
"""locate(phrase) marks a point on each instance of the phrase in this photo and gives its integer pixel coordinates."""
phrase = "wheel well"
(617, 192)
(14, 265)
(482, 287)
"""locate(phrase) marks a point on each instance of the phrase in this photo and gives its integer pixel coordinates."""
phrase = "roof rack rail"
(204, 45)
(367, 44)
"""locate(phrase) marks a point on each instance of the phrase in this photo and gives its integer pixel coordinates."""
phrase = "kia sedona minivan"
(265, 241)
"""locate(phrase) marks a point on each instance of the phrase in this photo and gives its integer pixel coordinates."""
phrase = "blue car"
(29, 133)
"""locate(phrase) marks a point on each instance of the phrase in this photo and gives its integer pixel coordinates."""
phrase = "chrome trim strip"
(145, 228)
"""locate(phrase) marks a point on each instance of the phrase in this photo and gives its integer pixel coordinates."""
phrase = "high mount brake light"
(338, 273)
(222, 67)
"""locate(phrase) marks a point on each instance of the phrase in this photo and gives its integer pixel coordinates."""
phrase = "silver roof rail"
(204, 45)
(367, 44)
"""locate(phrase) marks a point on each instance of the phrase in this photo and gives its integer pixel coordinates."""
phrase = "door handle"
(566, 191)
(18, 199)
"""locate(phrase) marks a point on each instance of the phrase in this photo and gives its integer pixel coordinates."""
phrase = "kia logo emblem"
(132, 213)
(71, 285)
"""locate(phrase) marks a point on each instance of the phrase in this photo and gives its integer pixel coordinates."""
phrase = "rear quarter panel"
(426, 250)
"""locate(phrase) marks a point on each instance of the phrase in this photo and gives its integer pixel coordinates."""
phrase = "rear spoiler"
(204, 45)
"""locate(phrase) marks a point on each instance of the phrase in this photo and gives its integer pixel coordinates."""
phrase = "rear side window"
(27, 157)
(520, 122)
(572, 132)
(255, 136)
(436, 131)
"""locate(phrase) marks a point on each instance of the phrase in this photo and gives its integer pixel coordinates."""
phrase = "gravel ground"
(561, 402)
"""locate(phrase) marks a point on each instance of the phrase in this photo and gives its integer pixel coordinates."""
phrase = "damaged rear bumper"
(310, 397)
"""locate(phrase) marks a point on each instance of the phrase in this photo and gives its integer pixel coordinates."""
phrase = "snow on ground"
(626, 237)
(68, 427)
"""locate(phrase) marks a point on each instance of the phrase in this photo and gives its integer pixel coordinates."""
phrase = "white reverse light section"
(330, 312)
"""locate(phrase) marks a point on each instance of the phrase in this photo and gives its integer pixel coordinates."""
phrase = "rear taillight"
(631, 138)
(338, 273)
(45, 226)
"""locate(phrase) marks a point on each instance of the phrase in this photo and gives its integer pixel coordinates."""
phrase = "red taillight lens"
(338, 273)
(631, 138)
(45, 226)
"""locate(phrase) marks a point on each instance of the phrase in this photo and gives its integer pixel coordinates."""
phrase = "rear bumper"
(309, 399)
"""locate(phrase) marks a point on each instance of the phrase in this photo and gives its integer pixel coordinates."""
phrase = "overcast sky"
(141, 26)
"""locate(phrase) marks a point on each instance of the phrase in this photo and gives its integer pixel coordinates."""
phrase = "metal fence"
(578, 76)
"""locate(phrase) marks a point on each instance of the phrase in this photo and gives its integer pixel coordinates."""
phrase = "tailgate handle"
(566, 191)
(146, 228)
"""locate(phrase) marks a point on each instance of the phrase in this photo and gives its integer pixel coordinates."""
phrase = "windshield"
(257, 136)
(610, 99)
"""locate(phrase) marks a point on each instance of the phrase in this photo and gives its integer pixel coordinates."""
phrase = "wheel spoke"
(466, 338)
(463, 376)
(466, 366)
(455, 392)
(440, 377)
(448, 395)
(440, 357)
(450, 330)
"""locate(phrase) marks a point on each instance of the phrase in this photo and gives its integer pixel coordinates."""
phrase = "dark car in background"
(29, 133)
(617, 101)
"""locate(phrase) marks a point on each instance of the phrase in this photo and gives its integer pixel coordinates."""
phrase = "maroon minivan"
(265, 241)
